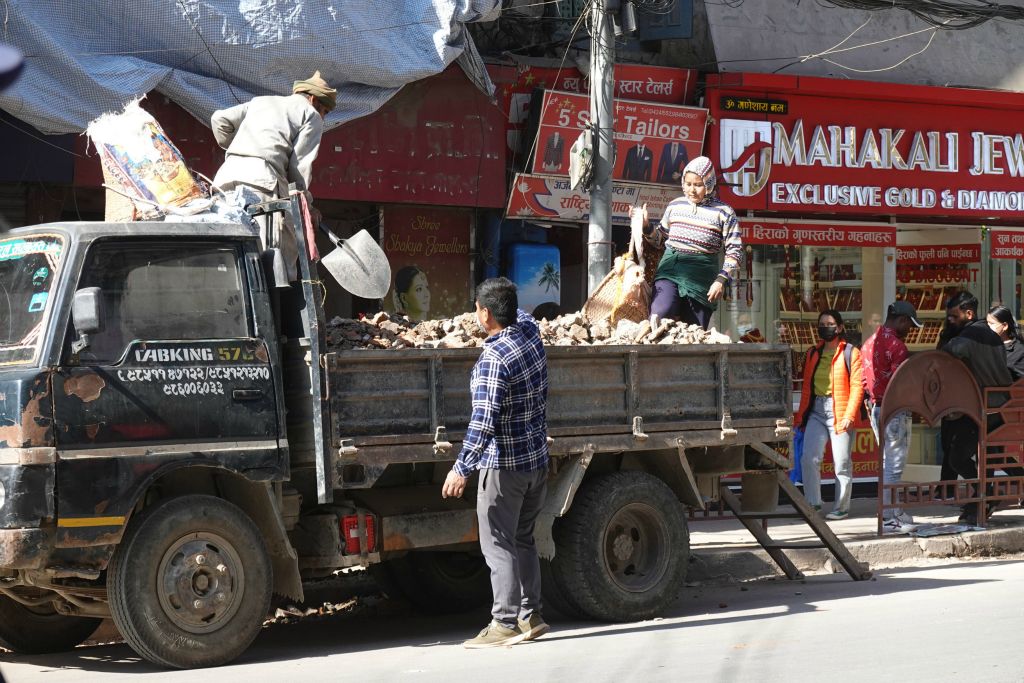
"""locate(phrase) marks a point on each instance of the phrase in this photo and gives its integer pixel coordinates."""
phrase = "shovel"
(358, 264)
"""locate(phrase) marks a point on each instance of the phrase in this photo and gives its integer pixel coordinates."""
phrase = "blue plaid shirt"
(508, 429)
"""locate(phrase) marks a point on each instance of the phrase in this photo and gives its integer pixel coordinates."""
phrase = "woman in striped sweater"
(696, 228)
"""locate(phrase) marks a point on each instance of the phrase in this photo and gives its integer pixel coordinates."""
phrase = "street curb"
(880, 553)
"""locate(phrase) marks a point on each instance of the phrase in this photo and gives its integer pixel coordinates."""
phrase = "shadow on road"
(379, 624)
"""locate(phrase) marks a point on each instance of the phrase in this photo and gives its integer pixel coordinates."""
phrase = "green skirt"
(692, 274)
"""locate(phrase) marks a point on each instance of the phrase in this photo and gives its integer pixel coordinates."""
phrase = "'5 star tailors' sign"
(815, 145)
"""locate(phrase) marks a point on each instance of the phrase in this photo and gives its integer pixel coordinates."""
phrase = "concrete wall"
(764, 35)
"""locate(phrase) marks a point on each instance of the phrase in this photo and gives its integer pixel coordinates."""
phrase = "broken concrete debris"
(393, 331)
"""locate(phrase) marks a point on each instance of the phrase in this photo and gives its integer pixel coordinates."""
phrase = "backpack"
(847, 356)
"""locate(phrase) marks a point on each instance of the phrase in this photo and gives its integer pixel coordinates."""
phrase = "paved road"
(951, 622)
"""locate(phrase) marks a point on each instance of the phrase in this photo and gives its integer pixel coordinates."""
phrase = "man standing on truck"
(882, 354)
(272, 141)
(507, 442)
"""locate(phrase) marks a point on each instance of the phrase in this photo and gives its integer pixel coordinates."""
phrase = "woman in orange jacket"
(829, 402)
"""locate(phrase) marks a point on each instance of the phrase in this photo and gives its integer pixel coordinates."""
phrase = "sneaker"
(534, 627)
(836, 515)
(969, 514)
(495, 634)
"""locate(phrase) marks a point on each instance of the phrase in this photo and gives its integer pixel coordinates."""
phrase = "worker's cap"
(11, 63)
(316, 86)
(905, 308)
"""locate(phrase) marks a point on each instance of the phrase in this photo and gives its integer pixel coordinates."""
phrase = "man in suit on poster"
(671, 163)
(639, 161)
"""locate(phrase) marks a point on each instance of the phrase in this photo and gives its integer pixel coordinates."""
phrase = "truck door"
(175, 374)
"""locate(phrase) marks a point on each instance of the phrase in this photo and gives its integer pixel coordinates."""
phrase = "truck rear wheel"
(41, 630)
(624, 547)
(441, 582)
(191, 582)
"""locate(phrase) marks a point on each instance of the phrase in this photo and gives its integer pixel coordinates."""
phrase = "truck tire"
(624, 547)
(441, 582)
(41, 630)
(190, 584)
(555, 597)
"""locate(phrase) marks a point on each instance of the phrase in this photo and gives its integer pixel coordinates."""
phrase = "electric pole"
(602, 59)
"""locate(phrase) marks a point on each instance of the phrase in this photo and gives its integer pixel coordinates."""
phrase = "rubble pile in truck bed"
(392, 331)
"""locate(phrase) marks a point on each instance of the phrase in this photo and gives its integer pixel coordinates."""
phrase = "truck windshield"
(28, 270)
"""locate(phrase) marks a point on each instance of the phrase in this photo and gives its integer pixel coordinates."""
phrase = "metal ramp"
(802, 510)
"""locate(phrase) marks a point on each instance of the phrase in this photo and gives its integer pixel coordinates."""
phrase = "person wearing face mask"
(1000, 319)
(829, 402)
(695, 228)
(882, 354)
(971, 340)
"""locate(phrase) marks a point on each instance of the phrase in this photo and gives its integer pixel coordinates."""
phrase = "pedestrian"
(270, 142)
(881, 355)
(981, 350)
(1003, 323)
(696, 228)
(506, 441)
(829, 402)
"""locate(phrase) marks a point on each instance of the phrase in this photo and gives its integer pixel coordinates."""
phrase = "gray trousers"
(507, 505)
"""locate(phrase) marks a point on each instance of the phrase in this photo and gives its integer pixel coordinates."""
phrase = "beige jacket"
(270, 142)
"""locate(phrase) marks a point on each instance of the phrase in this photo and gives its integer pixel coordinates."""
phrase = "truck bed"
(394, 398)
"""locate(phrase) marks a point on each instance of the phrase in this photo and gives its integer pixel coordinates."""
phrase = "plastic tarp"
(88, 57)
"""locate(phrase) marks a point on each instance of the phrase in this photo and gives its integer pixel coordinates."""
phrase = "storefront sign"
(762, 106)
(428, 248)
(653, 142)
(632, 81)
(550, 199)
(939, 254)
(869, 148)
(756, 231)
(1006, 244)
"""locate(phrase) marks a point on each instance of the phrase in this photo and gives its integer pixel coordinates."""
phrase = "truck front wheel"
(624, 546)
(191, 582)
(40, 630)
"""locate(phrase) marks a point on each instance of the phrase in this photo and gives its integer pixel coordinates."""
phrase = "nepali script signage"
(547, 198)
(1006, 244)
(944, 254)
(870, 149)
(756, 231)
(653, 141)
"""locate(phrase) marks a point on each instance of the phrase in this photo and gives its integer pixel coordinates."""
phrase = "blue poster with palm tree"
(536, 270)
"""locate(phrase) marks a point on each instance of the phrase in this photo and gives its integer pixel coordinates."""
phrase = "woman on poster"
(412, 293)
(696, 228)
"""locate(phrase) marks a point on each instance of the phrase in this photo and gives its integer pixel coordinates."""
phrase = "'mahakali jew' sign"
(848, 147)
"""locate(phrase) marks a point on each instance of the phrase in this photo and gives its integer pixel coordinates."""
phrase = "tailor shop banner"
(428, 249)
(546, 198)
(653, 141)
(857, 148)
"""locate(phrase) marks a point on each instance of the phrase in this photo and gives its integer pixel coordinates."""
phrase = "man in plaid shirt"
(507, 441)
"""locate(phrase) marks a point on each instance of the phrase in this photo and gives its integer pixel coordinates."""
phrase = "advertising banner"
(938, 254)
(550, 199)
(515, 87)
(653, 142)
(850, 147)
(757, 231)
(1006, 244)
(428, 248)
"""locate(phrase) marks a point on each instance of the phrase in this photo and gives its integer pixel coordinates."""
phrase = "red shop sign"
(821, 145)
(653, 141)
(941, 254)
(549, 198)
(1006, 244)
(756, 231)
(515, 87)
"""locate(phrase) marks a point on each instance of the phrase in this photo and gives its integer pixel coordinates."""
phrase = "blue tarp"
(88, 57)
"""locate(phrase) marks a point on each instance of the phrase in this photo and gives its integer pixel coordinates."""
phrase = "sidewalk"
(721, 549)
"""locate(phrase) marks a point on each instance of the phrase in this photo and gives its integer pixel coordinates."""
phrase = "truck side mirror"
(87, 314)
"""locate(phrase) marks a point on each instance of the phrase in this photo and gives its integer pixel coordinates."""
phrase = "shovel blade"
(360, 266)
